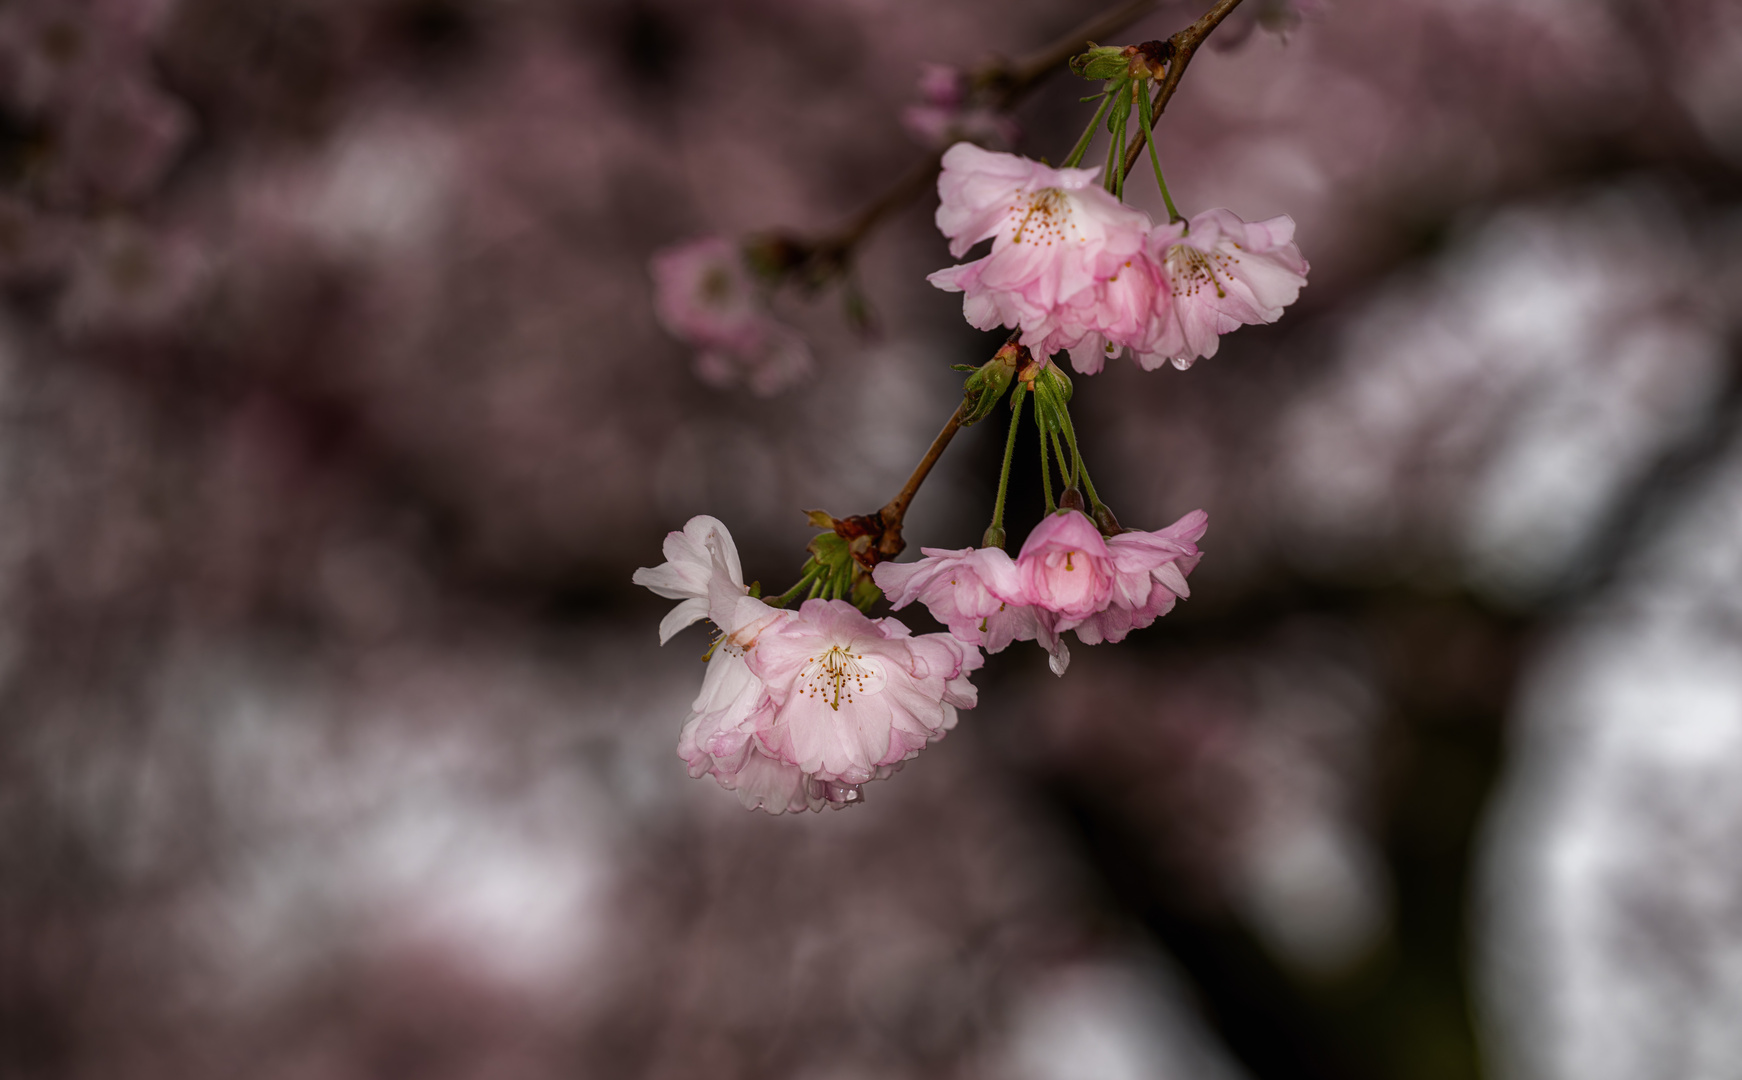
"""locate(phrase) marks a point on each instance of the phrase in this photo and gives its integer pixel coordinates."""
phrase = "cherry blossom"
(976, 593)
(852, 695)
(701, 564)
(1223, 273)
(1063, 252)
(1150, 571)
(787, 731)
(1065, 568)
(705, 294)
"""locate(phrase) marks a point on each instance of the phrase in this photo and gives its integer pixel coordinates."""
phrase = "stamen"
(836, 672)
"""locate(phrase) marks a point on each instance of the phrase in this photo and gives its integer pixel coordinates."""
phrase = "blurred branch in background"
(336, 415)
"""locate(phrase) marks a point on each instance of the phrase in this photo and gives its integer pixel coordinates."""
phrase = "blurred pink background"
(335, 742)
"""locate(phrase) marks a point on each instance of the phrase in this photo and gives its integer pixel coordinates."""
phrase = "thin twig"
(1185, 43)
(890, 544)
(1020, 76)
(1013, 81)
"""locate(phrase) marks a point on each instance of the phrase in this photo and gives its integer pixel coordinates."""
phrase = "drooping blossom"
(1104, 587)
(973, 591)
(787, 733)
(1149, 574)
(706, 295)
(1223, 273)
(1065, 568)
(948, 114)
(854, 696)
(1066, 264)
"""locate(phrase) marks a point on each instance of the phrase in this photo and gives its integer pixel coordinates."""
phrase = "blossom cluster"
(1067, 577)
(799, 709)
(1074, 268)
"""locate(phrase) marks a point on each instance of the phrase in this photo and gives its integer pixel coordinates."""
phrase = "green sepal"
(1102, 62)
(985, 388)
(1055, 377)
(865, 593)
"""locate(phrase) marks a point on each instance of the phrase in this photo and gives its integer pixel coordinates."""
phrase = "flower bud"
(1102, 62)
(986, 387)
(1061, 382)
(1105, 521)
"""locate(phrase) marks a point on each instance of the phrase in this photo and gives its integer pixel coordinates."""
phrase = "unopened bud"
(1105, 521)
(986, 387)
(1061, 382)
(1102, 62)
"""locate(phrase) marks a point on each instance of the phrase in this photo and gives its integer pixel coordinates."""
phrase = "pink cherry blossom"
(975, 592)
(1223, 273)
(1063, 252)
(719, 740)
(1150, 571)
(705, 294)
(789, 734)
(1065, 568)
(855, 695)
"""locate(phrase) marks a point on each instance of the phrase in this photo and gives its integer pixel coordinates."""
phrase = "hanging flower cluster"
(801, 706)
(1072, 268)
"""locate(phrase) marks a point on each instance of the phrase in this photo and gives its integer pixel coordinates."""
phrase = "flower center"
(1191, 269)
(840, 673)
(1044, 218)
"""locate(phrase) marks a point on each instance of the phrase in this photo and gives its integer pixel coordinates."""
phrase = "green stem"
(1016, 399)
(1119, 141)
(1148, 122)
(816, 588)
(1045, 465)
(1082, 146)
(1066, 476)
(1082, 469)
(811, 572)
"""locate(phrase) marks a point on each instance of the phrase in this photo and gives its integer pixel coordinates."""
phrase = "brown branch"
(1185, 43)
(890, 543)
(1019, 77)
(1012, 81)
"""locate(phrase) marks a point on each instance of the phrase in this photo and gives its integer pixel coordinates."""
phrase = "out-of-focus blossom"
(706, 294)
(853, 695)
(1279, 17)
(126, 279)
(1224, 273)
(86, 80)
(947, 114)
(1149, 574)
(1063, 252)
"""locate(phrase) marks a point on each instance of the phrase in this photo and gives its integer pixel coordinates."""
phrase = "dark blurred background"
(335, 742)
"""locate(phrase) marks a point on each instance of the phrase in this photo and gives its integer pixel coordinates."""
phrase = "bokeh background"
(335, 743)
